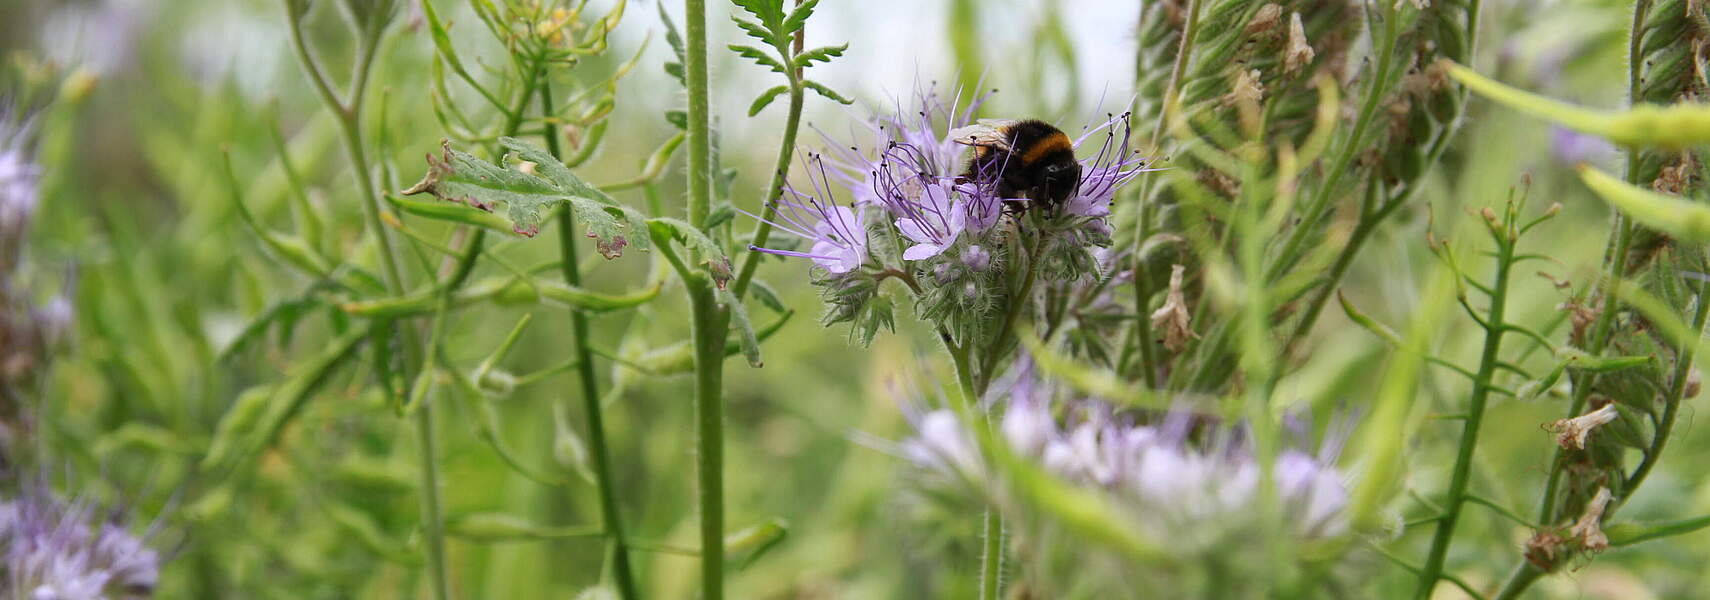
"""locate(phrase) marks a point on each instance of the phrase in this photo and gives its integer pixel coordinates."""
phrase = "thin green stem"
(349, 118)
(1432, 571)
(780, 171)
(432, 527)
(1320, 204)
(1524, 575)
(610, 518)
(1143, 228)
(708, 321)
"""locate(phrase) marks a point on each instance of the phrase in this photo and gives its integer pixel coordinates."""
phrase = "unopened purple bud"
(944, 273)
(971, 291)
(977, 258)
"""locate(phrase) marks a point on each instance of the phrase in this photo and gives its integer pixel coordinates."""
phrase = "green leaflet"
(744, 329)
(1672, 127)
(537, 185)
(504, 290)
(1676, 216)
(254, 421)
(499, 526)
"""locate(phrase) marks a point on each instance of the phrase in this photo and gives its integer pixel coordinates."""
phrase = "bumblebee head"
(1058, 179)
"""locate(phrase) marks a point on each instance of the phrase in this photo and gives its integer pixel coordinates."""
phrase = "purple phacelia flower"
(51, 551)
(1176, 483)
(838, 233)
(931, 221)
(1104, 173)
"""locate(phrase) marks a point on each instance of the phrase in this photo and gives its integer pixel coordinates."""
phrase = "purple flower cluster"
(1174, 482)
(911, 171)
(51, 552)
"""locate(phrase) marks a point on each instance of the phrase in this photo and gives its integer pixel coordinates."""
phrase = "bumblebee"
(1025, 159)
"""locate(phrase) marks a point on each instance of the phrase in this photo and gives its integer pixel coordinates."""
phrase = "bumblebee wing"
(987, 133)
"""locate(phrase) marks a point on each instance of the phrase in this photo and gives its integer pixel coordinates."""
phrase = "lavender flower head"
(838, 232)
(51, 552)
(1186, 483)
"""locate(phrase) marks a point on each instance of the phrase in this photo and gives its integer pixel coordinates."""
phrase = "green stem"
(1143, 228)
(763, 229)
(610, 519)
(350, 125)
(432, 527)
(780, 171)
(1320, 204)
(1524, 575)
(1432, 571)
(708, 322)
(991, 562)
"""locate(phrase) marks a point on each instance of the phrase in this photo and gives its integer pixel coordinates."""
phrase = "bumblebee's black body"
(1027, 159)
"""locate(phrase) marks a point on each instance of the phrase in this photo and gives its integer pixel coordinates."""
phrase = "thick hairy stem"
(611, 520)
(1495, 326)
(708, 320)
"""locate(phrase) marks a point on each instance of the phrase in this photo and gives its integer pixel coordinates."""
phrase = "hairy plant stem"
(1621, 234)
(1143, 226)
(611, 520)
(708, 321)
(1494, 327)
(991, 555)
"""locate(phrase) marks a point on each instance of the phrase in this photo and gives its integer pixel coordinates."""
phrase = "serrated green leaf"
(759, 56)
(610, 235)
(821, 54)
(756, 30)
(539, 184)
(828, 93)
(798, 17)
(744, 329)
(765, 98)
(770, 12)
(675, 39)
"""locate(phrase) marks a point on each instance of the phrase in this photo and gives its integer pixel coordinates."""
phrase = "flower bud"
(970, 291)
(944, 273)
(977, 258)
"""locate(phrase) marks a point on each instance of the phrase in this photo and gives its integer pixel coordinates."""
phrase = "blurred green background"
(166, 277)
